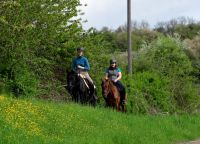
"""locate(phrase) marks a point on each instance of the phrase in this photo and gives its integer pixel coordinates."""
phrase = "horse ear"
(104, 79)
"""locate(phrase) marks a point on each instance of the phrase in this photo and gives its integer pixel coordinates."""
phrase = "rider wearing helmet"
(114, 74)
(81, 65)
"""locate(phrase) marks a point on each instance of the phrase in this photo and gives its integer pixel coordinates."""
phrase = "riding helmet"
(80, 49)
(113, 61)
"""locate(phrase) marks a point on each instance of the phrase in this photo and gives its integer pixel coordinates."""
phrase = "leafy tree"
(32, 40)
(188, 31)
(185, 27)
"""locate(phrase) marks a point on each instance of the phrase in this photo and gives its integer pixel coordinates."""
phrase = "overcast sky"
(113, 13)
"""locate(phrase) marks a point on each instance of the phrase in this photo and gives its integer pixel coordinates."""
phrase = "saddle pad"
(83, 77)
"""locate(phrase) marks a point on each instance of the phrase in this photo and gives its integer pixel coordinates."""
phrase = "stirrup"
(123, 102)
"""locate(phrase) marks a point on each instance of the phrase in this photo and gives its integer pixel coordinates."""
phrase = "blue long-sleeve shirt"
(82, 61)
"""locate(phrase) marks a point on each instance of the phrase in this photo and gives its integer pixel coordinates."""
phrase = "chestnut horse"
(111, 94)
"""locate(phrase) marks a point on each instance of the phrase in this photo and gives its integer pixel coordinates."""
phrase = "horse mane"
(110, 83)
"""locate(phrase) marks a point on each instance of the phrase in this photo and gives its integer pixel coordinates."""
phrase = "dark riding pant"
(121, 89)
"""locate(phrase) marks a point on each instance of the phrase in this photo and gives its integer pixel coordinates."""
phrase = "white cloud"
(162, 10)
(112, 13)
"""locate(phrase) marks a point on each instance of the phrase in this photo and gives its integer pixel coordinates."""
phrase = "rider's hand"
(80, 67)
(115, 80)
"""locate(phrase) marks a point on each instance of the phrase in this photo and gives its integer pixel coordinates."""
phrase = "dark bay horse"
(80, 89)
(111, 95)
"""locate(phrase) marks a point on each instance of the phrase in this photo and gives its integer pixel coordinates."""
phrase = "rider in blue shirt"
(115, 74)
(81, 65)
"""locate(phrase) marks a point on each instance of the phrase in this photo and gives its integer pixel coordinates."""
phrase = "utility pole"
(129, 36)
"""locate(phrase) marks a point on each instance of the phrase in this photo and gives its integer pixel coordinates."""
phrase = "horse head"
(106, 87)
(71, 80)
(110, 94)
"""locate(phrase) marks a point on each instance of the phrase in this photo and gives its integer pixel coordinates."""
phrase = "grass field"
(33, 121)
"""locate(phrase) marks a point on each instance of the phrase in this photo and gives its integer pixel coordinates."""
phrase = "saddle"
(87, 83)
(85, 80)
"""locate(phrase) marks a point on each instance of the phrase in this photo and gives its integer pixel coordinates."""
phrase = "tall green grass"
(33, 121)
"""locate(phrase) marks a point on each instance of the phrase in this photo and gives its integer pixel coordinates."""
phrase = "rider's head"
(113, 63)
(80, 51)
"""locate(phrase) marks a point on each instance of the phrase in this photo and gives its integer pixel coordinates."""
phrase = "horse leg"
(82, 98)
(94, 98)
(123, 108)
(78, 97)
(85, 97)
(74, 96)
(112, 105)
(118, 106)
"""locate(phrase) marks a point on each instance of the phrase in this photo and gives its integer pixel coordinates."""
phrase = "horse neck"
(110, 83)
(75, 79)
(111, 86)
(81, 83)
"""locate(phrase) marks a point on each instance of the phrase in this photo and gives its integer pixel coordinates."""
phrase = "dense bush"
(165, 63)
(193, 52)
(148, 92)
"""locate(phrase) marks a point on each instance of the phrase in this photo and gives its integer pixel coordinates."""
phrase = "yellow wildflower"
(2, 98)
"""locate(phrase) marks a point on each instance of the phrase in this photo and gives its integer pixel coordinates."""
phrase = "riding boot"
(122, 98)
(123, 102)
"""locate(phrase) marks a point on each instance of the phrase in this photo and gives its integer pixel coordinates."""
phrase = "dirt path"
(191, 142)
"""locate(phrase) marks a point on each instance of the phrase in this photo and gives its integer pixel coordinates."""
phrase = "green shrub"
(149, 93)
(170, 68)
(23, 83)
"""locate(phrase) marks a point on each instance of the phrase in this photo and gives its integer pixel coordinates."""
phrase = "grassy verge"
(32, 121)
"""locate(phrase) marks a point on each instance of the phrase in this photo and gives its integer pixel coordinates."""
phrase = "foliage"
(193, 52)
(32, 37)
(186, 27)
(149, 93)
(118, 38)
(141, 36)
(188, 31)
(165, 61)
